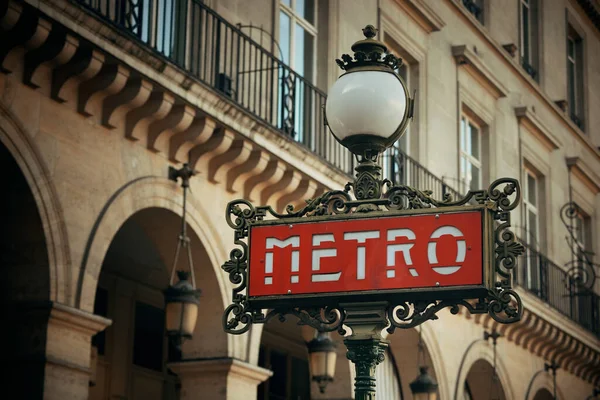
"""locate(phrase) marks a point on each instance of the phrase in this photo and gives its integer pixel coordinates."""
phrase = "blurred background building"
(99, 97)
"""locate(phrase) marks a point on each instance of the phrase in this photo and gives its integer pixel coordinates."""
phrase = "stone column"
(49, 350)
(68, 352)
(219, 379)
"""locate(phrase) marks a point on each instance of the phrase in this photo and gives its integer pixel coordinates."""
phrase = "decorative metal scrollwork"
(502, 302)
(581, 271)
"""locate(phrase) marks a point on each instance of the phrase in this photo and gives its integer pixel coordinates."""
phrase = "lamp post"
(182, 298)
(367, 110)
(322, 357)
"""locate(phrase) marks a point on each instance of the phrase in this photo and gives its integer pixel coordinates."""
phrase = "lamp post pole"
(367, 111)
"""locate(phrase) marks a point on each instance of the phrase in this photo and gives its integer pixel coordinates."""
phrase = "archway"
(25, 284)
(482, 383)
(133, 352)
(543, 394)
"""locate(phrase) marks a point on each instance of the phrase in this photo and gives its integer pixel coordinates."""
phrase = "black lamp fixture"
(424, 387)
(182, 298)
(553, 366)
(368, 108)
(322, 356)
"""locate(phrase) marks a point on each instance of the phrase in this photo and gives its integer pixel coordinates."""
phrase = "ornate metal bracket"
(581, 271)
(372, 194)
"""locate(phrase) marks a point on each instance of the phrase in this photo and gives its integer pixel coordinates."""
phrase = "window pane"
(533, 224)
(303, 52)
(571, 48)
(571, 83)
(148, 336)
(299, 50)
(300, 380)
(474, 141)
(278, 382)
(463, 133)
(475, 176)
(306, 10)
(100, 308)
(531, 190)
(286, 2)
(284, 37)
(525, 33)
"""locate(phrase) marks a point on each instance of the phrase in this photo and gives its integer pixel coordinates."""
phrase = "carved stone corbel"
(160, 132)
(238, 154)
(139, 119)
(110, 80)
(116, 106)
(219, 143)
(253, 166)
(57, 50)
(84, 65)
(198, 133)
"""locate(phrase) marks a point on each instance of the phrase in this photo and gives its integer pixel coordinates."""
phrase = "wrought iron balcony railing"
(559, 288)
(400, 168)
(219, 54)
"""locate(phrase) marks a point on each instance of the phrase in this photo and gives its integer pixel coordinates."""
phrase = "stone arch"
(139, 194)
(27, 156)
(483, 351)
(542, 385)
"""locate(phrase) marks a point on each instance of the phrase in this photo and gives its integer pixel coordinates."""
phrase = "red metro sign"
(427, 251)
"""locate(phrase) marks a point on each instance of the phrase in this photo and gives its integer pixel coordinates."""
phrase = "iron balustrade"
(551, 283)
(195, 38)
(402, 169)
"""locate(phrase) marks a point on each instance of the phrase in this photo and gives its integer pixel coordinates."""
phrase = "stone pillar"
(219, 379)
(49, 351)
(68, 352)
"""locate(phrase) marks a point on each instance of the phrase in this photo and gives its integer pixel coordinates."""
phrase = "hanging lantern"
(182, 298)
(424, 387)
(322, 355)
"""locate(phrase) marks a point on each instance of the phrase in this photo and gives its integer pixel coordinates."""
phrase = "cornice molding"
(471, 61)
(584, 173)
(422, 14)
(527, 118)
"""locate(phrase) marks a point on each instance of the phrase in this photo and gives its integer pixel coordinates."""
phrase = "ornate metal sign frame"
(499, 300)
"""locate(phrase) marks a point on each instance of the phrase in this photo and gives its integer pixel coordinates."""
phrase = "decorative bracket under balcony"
(474, 66)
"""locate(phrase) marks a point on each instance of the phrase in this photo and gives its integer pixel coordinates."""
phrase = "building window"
(575, 76)
(530, 204)
(101, 309)
(470, 154)
(529, 35)
(291, 377)
(475, 7)
(297, 35)
(148, 337)
(581, 236)
(395, 163)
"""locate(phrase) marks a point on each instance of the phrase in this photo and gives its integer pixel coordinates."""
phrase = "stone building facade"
(99, 97)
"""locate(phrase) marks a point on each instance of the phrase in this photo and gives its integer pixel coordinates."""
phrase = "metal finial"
(370, 31)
